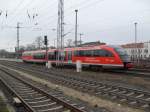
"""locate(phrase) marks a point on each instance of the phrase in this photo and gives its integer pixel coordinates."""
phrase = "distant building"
(138, 50)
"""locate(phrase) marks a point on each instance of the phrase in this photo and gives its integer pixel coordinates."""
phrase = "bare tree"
(30, 47)
(22, 48)
(69, 43)
(3, 53)
(39, 42)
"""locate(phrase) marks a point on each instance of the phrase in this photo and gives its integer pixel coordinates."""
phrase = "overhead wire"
(35, 19)
(22, 9)
(80, 7)
(16, 8)
(69, 8)
(89, 5)
(38, 8)
(47, 17)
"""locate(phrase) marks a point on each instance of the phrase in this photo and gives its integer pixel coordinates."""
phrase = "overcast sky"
(110, 21)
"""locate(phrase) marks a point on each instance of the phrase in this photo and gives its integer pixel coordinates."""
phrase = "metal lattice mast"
(60, 27)
(62, 23)
(18, 40)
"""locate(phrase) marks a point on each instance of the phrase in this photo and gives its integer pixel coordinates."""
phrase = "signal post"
(48, 64)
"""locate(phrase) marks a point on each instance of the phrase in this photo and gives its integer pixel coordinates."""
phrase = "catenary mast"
(60, 29)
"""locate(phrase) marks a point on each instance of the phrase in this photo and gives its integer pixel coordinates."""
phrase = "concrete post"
(79, 66)
(49, 64)
(46, 64)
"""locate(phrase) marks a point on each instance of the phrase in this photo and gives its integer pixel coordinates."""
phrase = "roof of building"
(133, 45)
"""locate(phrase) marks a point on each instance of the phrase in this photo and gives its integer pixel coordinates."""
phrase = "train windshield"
(120, 51)
(123, 55)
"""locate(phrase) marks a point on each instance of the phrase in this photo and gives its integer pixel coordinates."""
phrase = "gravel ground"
(92, 100)
(142, 83)
(121, 79)
(125, 80)
(5, 107)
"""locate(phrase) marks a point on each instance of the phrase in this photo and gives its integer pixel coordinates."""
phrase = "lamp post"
(55, 38)
(18, 39)
(136, 50)
(76, 27)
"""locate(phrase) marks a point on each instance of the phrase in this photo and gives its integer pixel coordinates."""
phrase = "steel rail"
(131, 95)
(27, 107)
(59, 101)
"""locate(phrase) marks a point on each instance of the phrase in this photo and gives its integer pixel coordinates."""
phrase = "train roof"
(77, 48)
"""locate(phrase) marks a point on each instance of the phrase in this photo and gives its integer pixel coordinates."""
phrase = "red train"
(102, 56)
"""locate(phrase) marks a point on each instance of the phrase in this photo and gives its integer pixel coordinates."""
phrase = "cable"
(19, 4)
(47, 16)
(26, 5)
(84, 6)
(55, 15)
(35, 18)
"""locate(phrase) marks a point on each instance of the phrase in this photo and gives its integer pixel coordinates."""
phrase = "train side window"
(23, 54)
(39, 56)
(80, 53)
(51, 56)
(102, 53)
(62, 55)
(65, 58)
(29, 54)
(26, 54)
(76, 53)
(88, 53)
(96, 53)
(106, 53)
(69, 55)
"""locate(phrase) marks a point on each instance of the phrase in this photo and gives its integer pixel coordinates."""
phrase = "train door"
(69, 56)
(65, 56)
(57, 55)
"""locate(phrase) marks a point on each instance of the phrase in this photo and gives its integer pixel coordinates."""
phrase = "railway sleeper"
(55, 109)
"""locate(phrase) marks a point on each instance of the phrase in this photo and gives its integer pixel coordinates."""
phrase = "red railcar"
(99, 56)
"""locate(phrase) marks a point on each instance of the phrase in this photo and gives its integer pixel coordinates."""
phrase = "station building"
(140, 51)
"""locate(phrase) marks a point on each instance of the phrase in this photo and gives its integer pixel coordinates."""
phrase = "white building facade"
(138, 50)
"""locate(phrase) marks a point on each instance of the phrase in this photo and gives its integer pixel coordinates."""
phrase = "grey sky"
(110, 21)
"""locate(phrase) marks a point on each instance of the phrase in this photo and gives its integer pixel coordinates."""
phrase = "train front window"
(123, 55)
(120, 51)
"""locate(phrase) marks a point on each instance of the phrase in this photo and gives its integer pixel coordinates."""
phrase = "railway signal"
(46, 44)
(45, 40)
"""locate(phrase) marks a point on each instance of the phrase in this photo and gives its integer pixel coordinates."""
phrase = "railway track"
(132, 72)
(140, 70)
(35, 99)
(125, 95)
